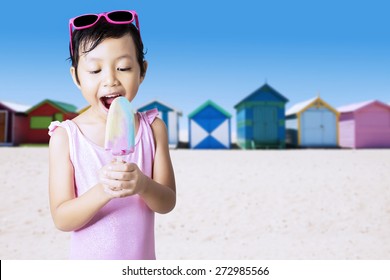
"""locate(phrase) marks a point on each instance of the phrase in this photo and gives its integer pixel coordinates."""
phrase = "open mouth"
(107, 100)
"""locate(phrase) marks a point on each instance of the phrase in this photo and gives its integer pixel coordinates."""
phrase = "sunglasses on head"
(114, 17)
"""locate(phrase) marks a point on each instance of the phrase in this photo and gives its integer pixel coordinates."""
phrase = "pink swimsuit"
(124, 228)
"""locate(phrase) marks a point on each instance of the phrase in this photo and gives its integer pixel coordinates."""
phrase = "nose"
(110, 79)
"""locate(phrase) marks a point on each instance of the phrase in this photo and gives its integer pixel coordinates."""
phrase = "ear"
(146, 68)
(74, 76)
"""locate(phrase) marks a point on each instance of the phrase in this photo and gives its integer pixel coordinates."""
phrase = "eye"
(124, 68)
(94, 71)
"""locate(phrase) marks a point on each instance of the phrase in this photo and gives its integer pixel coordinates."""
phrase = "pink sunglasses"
(114, 17)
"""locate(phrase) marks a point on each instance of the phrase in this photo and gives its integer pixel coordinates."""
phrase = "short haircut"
(91, 37)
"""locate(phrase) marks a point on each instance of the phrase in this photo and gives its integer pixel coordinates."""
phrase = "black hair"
(91, 37)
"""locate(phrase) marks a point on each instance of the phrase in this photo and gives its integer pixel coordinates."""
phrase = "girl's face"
(108, 71)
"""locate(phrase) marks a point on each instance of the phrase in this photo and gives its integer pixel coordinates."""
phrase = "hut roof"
(18, 108)
(63, 107)
(212, 104)
(302, 106)
(298, 107)
(263, 89)
(358, 106)
(179, 112)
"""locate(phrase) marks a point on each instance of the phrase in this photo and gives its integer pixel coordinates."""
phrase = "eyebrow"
(125, 56)
(92, 58)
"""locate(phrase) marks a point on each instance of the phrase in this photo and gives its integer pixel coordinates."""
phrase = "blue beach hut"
(209, 127)
(170, 116)
(312, 123)
(261, 120)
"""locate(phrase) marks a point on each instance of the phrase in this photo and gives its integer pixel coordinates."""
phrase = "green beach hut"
(261, 119)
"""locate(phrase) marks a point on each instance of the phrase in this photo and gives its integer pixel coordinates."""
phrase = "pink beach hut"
(365, 125)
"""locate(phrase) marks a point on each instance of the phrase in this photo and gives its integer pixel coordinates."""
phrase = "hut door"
(329, 134)
(3, 126)
(312, 128)
(318, 128)
(265, 124)
(172, 126)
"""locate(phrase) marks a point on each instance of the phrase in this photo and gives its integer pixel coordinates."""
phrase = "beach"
(231, 204)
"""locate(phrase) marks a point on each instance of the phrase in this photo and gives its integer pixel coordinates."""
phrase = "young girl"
(109, 206)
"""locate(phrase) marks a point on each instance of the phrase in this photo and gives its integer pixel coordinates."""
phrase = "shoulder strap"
(53, 126)
(70, 129)
(151, 115)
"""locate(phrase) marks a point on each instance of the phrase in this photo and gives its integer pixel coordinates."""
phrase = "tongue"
(109, 100)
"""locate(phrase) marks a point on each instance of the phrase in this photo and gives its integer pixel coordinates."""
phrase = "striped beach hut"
(209, 127)
(13, 123)
(170, 116)
(40, 116)
(312, 123)
(261, 119)
(365, 125)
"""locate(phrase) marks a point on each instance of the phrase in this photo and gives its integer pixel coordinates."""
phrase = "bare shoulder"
(159, 132)
(59, 140)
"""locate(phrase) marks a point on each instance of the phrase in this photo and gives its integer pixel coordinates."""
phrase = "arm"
(68, 212)
(159, 193)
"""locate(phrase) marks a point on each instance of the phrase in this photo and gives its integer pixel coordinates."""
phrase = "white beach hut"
(312, 123)
(170, 116)
(209, 127)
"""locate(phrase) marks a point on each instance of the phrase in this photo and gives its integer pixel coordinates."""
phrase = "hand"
(121, 179)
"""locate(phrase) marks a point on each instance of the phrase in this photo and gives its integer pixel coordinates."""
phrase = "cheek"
(86, 82)
(89, 91)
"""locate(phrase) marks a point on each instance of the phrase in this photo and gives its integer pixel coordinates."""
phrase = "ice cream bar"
(120, 131)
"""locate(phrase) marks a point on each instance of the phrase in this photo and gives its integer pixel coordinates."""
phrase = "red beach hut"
(40, 116)
(12, 123)
(365, 125)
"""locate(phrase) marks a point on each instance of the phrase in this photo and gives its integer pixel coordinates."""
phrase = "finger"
(116, 175)
(122, 166)
(124, 193)
(117, 193)
(108, 190)
(115, 184)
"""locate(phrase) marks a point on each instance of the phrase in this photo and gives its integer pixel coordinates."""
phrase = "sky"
(218, 50)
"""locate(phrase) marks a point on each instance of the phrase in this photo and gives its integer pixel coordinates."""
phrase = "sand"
(265, 204)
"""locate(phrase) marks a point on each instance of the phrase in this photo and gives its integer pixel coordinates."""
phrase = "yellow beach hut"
(312, 123)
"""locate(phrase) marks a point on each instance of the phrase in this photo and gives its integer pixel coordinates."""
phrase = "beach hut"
(12, 123)
(170, 116)
(40, 116)
(260, 119)
(209, 127)
(312, 123)
(365, 125)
